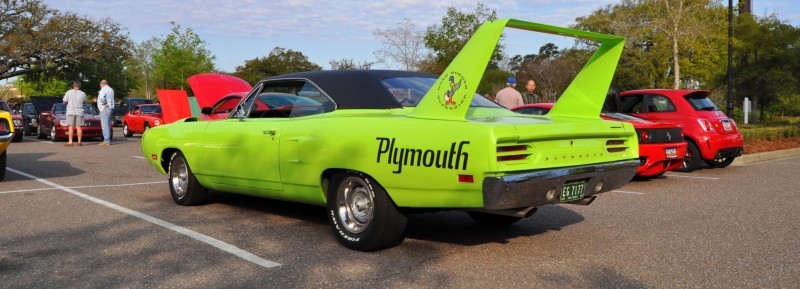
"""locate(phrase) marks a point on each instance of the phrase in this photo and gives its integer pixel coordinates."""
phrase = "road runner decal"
(442, 159)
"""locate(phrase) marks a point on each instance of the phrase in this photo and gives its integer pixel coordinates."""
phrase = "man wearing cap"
(509, 97)
(105, 103)
(74, 98)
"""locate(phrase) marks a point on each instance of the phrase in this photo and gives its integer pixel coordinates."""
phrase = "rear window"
(408, 91)
(701, 103)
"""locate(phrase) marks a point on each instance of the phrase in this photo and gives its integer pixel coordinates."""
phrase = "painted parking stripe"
(626, 192)
(705, 178)
(137, 157)
(181, 230)
(82, 187)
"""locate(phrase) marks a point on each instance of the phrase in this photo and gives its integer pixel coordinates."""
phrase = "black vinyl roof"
(353, 89)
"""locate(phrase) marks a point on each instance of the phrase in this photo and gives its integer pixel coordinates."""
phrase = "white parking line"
(624, 192)
(679, 176)
(81, 187)
(137, 157)
(184, 231)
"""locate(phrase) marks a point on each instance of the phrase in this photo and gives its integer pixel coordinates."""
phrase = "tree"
(279, 61)
(52, 87)
(43, 43)
(446, 39)
(766, 63)
(403, 45)
(182, 54)
(664, 38)
(143, 66)
(349, 64)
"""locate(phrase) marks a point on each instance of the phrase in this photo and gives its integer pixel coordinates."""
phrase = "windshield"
(150, 109)
(4, 106)
(61, 109)
(409, 91)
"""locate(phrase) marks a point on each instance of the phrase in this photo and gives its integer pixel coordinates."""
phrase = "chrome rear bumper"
(530, 189)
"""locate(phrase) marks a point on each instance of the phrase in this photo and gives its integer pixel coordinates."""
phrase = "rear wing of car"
(450, 96)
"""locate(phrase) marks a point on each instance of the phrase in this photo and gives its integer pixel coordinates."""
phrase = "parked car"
(125, 105)
(30, 118)
(711, 135)
(661, 145)
(16, 120)
(375, 145)
(141, 118)
(6, 136)
(53, 123)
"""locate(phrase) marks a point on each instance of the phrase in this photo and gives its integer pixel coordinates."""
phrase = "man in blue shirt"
(105, 103)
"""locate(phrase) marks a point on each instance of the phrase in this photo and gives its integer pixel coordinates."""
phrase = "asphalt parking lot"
(100, 217)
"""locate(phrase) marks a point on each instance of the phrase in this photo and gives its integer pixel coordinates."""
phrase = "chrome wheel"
(179, 177)
(53, 133)
(355, 204)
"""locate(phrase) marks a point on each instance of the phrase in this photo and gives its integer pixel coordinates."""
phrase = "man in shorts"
(74, 98)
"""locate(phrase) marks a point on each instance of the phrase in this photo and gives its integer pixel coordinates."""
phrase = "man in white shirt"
(105, 103)
(74, 98)
(509, 97)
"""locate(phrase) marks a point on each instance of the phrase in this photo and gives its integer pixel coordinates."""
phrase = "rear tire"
(720, 162)
(493, 220)
(362, 215)
(692, 158)
(183, 186)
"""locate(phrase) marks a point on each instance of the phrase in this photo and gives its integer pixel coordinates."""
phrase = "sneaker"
(104, 144)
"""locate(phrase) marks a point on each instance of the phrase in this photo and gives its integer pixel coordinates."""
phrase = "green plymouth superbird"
(375, 145)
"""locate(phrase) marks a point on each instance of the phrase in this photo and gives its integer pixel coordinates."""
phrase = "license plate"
(572, 191)
(726, 124)
(672, 153)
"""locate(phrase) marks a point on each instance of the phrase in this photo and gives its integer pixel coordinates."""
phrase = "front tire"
(3, 157)
(183, 186)
(126, 131)
(362, 215)
(40, 134)
(692, 158)
(53, 134)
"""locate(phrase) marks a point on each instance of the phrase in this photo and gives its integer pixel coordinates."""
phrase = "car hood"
(208, 88)
(43, 103)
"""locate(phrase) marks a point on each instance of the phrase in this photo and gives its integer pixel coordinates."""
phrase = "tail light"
(512, 153)
(644, 136)
(705, 125)
(616, 145)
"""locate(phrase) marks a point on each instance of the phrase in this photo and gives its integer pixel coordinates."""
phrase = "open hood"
(208, 88)
(44, 103)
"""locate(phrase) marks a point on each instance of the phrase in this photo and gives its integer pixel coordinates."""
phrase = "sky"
(236, 31)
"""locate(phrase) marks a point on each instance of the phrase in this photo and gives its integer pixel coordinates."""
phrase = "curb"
(765, 156)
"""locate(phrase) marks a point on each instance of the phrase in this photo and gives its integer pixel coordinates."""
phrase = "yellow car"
(6, 135)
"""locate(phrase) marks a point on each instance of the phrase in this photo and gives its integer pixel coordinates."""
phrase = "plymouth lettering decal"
(454, 158)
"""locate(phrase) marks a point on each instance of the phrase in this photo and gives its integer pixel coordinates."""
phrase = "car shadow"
(452, 227)
(25, 162)
(455, 227)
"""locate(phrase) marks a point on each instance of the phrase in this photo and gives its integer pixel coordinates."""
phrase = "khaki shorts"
(74, 120)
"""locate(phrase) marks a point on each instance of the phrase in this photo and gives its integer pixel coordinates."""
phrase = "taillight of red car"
(705, 125)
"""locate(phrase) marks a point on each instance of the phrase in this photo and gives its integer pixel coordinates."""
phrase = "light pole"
(729, 108)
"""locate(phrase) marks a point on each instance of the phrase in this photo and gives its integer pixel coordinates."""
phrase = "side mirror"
(206, 110)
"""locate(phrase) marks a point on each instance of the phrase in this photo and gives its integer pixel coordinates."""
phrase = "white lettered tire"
(362, 215)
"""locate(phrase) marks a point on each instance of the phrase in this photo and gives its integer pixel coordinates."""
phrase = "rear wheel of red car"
(183, 185)
(126, 131)
(146, 127)
(362, 215)
(692, 158)
(493, 220)
(720, 162)
(2, 166)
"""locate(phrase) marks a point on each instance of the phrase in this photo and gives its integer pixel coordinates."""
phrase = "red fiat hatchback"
(712, 136)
